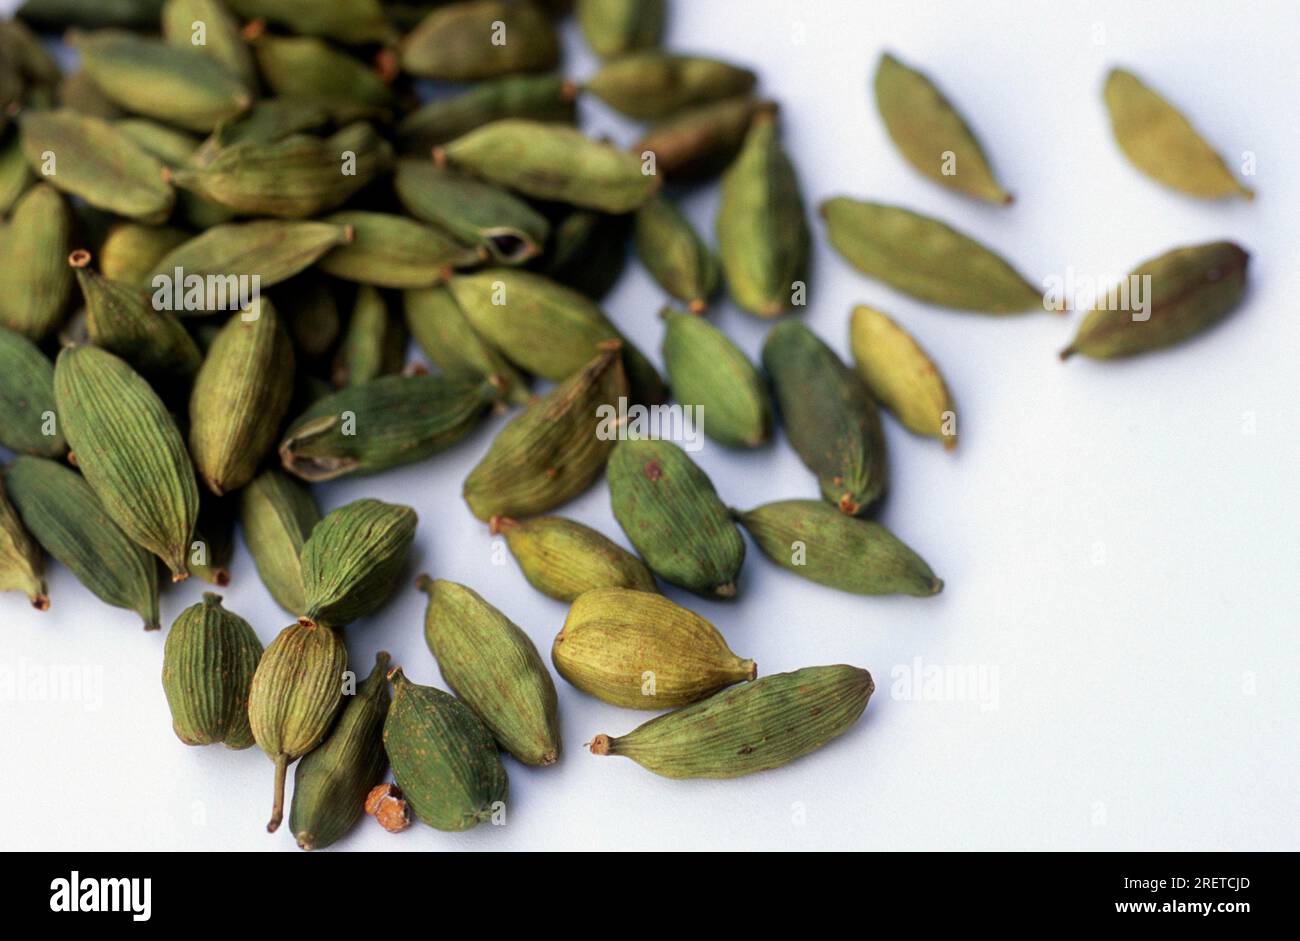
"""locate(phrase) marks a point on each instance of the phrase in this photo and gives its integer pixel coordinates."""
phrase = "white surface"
(1119, 551)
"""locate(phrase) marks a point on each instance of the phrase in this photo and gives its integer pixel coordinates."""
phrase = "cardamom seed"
(709, 372)
(28, 418)
(22, 567)
(391, 251)
(700, 142)
(562, 558)
(901, 376)
(675, 255)
(615, 27)
(459, 42)
(277, 515)
(547, 98)
(35, 283)
(353, 560)
(441, 329)
(387, 805)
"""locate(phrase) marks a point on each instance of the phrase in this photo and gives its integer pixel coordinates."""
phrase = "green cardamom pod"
(1184, 292)
(78, 94)
(54, 16)
(277, 515)
(374, 344)
(353, 560)
(552, 161)
(22, 568)
(669, 510)
(615, 27)
(27, 55)
(175, 148)
(129, 450)
(759, 726)
(214, 540)
(208, 664)
(922, 257)
(562, 558)
(675, 255)
(831, 421)
(930, 133)
(462, 42)
(331, 782)
(1161, 142)
(63, 514)
(710, 373)
(441, 329)
(220, 39)
(34, 246)
(555, 449)
(652, 84)
(762, 229)
(15, 176)
(391, 251)
(28, 418)
(444, 758)
(296, 693)
(132, 251)
(901, 376)
(813, 540)
(268, 121)
(642, 651)
(494, 668)
(548, 98)
(348, 21)
(700, 142)
(308, 68)
(588, 252)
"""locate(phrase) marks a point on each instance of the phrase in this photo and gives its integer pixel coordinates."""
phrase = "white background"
(1118, 540)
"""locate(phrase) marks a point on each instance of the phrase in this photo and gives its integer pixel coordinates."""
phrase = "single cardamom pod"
(652, 84)
(828, 416)
(22, 567)
(930, 133)
(555, 449)
(708, 371)
(374, 344)
(331, 782)
(813, 540)
(547, 98)
(222, 41)
(699, 143)
(615, 27)
(494, 668)
(34, 293)
(353, 560)
(926, 259)
(443, 756)
(391, 251)
(1161, 142)
(552, 161)
(132, 251)
(15, 176)
(214, 540)
(267, 122)
(588, 252)
(28, 419)
(311, 312)
(675, 255)
(296, 693)
(901, 376)
(458, 42)
(305, 67)
(441, 329)
(78, 94)
(277, 515)
(63, 514)
(759, 726)
(348, 21)
(129, 450)
(562, 558)
(208, 664)
(642, 651)
(763, 237)
(1187, 290)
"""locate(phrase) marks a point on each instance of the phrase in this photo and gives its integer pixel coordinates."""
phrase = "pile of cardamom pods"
(220, 233)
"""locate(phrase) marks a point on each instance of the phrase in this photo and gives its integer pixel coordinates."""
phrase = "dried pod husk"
(63, 514)
(391, 251)
(642, 651)
(34, 293)
(652, 84)
(698, 143)
(831, 421)
(214, 540)
(22, 567)
(588, 251)
(815, 541)
(132, 251)
(444, 758)
(674, 254)
(208, 664)
(462, 42)
(900, 375)
(353, 560)
(382, 424)
(16, 176)
(309, 69)
(297, 691)
(930, 133)
(756, 727)
(547, 98)
(669, 510)
(330, 784)
(762, 229)
(926, 259)
(129, 450)
(374, 344)
(441, 329)
(710, 373)
(277, 515)
(28, 418)
(1187, 291)
(1161, 142)
(221, 39)
(552, 161)
(555, 449)
(494, 668)
(615, 27)
(562, 558)
(348, 21)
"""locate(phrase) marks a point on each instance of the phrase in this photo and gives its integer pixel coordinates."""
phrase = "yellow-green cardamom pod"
(129, 450)
(221, 38)
(268, 121)
(615, 27)
(652, 84)
(308, 68)
(353, 560)
(131, 251)
(374, 344)
(674, 254)
(700, 142)
(549, 98)
(28, 418)
(79, 95)
(34, 293)
(477, 39)
(440, 327)
(296, 693)
(208, 664)
(348, 21)
(390, 251)
(277, 515)
(175, 148)
(493, 666)
(562, 558)
(642, 651)
(22, 568)
(759, 726)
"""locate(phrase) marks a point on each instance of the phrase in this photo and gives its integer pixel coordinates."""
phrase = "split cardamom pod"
(562, 558)
(706, 370)
(901, 376)
(277, 515)
(353, 560)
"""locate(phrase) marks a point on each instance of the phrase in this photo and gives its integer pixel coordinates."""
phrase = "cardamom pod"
(296, 693)
(669, 510)
(63, 514)
(267, 122)
(926, 259)
(15, 176)
(35, 283)
(756, 727)
(175, 148)
(443, 757)
(353, 560)
(675, 255)
(78, 94)
(28, 419)
(129, 450)
(131, 251)
(307, 68)
(700, 142)
(391, 251)
(478, 39)
(208, 664)
(374, 344)
(547, 98)
(441, 329)
(348, 21)
(22, 568)
(221, 39)
(709, 372)
(901, 376)
(652, 84)
(1186, 290)
(310, 310)
(642, 651)
(562, 558)
(494, 668)
(615, 27)
(277, 515)
(331, 782)
(813, 540)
